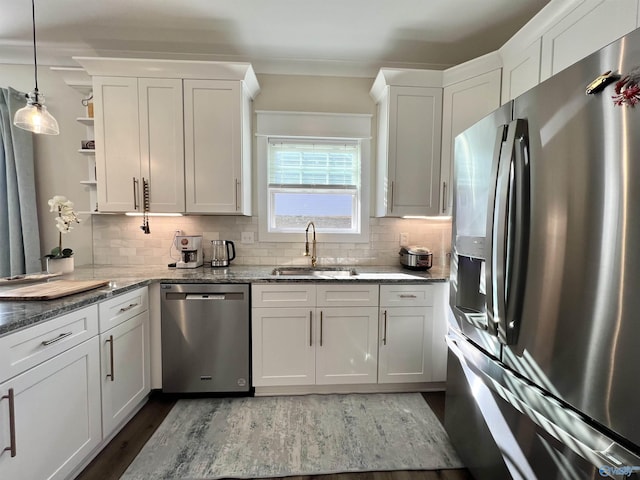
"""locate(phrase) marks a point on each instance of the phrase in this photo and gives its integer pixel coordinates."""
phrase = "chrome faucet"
(314, 260)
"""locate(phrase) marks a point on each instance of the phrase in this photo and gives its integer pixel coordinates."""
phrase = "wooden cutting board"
(51, 290)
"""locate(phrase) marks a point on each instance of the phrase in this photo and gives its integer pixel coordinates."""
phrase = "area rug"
(256, 437)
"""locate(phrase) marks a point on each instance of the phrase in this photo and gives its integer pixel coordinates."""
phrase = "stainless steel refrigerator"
(544, 320)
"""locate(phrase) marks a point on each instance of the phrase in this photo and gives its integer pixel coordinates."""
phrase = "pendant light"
(34, 117)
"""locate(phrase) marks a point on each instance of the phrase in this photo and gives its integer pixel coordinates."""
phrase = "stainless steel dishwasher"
(205, 338)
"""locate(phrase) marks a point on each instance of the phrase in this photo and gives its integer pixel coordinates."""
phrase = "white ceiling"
(315, 36)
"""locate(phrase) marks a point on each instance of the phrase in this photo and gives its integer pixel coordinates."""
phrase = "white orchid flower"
(64, 221)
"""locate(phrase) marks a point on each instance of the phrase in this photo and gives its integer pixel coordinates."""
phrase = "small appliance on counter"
(220, 254)
(190, 248)
(416, 258)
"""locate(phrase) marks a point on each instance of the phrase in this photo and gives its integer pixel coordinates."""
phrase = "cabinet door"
(383, 184)
(346, 345)
(415, 125)
(56, 415)
(591, 26)
(283, 346)
(213, 146)
(405, 344)
(125, 370)
(440, 321)
(162, 142)
(117, 143)
(463, 104)
(520, 71)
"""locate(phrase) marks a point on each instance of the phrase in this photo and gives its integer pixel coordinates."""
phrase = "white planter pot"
(60, 265)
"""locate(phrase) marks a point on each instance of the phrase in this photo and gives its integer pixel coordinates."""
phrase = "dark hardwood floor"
(111, 463)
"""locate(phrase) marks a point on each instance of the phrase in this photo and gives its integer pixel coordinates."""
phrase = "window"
(313, 167)
(315, 180)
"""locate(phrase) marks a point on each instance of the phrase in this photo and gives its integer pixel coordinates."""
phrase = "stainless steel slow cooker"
(416, 257)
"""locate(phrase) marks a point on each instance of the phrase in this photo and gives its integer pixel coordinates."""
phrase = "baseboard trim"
(365, 388)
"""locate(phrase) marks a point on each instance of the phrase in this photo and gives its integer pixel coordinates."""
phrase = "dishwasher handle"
(205, 296)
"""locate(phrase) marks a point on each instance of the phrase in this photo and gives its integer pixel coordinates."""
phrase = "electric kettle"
(220, 254)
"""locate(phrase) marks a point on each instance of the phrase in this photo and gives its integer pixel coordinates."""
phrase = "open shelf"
(85, 120)
(88, 182)
(87, 151)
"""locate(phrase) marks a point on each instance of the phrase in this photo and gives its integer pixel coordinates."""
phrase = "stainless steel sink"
(314, 271)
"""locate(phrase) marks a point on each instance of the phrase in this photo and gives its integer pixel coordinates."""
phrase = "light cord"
(35, 61)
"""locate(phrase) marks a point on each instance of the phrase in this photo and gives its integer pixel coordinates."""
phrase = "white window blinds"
(314, 163)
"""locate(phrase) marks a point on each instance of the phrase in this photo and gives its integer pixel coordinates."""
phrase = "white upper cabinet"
(162, 142)
(183, 127)
(138, 124)
(562, 33)
(217, 150)
(471, 91)
(591, 26)
(117, 142)
(520, 70)
(409, 135)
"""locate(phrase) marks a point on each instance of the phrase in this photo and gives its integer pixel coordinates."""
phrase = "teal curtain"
(19, 233)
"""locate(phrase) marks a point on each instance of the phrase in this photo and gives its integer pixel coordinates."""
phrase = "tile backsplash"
(118, 240)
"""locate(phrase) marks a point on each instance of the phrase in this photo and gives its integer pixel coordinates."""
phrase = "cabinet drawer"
(347, 295)
(283, 295)
(123, 307)
(27, 348)
(406, 295)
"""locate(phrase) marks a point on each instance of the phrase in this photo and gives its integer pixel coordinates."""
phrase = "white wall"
(303, 93)
(58, 167)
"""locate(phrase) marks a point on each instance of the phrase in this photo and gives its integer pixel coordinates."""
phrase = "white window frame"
(308, 125)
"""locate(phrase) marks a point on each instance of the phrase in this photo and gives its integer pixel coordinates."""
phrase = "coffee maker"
(190, 248)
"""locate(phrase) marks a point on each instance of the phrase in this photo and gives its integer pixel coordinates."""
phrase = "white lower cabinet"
(308, 334)
(56, 415)
(405, 344)
(66, 388)
(346, 349)
(124, 352)
(283, 352)
(412, 328)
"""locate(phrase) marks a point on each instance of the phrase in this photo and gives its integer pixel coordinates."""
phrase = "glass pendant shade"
(35, 118)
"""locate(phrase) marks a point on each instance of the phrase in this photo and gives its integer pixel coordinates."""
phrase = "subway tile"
(118, 240)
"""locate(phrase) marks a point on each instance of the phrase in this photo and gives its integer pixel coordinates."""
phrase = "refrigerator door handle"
(518, 225)
(490, 266)
(508, 228)
(548, 413)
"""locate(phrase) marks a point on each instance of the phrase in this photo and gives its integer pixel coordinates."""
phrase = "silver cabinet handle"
(12, 423)
(444, 197)
(135, 194)
(110, 342)
(384, 334)
(128, 307)
(391, 210)
(237, 189)
(408, 296)
(321, 328)
(310, 328)
(56, 339)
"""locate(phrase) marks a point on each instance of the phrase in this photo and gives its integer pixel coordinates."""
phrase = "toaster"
(416, 258)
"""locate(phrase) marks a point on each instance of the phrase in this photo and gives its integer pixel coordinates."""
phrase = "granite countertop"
(16, 315)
